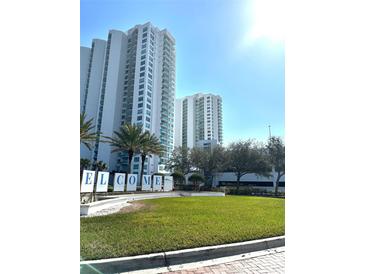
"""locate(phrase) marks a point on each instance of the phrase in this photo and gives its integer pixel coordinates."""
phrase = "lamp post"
(272, 167)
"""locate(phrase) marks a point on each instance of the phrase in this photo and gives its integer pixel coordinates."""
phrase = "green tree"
(178, 177)
(196, 178)
(247, 157)
(209, 161)
(87, 137)
(180, 160)
(128, 139)
(276, 155)
(150, 145)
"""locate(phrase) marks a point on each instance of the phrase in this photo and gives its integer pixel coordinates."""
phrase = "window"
(139, 118)
(149, 75)
(148, 112)
(148, 106)
(144, 40)
(142, 68)
(149, 94)
(145, 29)
(144, 46)
(141, 92)
(143, 62)
(144, 35)
(141, 80)
(140, 111)
(148, 100)
(150, 82)
(150, 70)
(140, 105)
(140, 99)
(149, 87)
(143, 51)
(143, 57)
(150, 64)
(141, 86)
(141, 75)
(148, 119)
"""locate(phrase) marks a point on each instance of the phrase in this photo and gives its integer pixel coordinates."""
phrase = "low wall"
(110, 201)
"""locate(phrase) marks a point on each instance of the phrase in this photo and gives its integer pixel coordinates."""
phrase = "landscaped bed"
(178, 223)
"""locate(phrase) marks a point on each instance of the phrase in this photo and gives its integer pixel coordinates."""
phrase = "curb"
(166, 259)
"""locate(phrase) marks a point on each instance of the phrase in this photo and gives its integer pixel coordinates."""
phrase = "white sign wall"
(87, 183)
(168, 183)
(146, 183)
(102, 182)
(132, 182)
(157, 183)
(119, 181)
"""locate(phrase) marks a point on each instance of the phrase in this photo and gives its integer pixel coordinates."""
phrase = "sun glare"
(267, 20)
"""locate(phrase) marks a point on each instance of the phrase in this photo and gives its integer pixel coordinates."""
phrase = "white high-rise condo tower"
(130, 78)
(198, 121)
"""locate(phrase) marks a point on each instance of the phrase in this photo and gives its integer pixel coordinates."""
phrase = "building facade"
(130, 78)
(198, 121)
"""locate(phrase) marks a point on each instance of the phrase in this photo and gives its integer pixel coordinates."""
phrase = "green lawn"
(177, 223)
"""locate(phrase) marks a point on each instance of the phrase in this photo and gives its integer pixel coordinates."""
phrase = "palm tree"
(129, 138)
(149, 145)
(100, 166)
(196, 178)
(86, 136)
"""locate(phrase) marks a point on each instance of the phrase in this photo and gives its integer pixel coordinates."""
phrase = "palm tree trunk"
(130, 156)
(142, 168)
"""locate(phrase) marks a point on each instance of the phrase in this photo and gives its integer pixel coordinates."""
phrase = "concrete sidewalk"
(271, 263)
(265, 261)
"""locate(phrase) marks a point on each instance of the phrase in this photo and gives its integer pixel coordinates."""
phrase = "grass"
(177, 223)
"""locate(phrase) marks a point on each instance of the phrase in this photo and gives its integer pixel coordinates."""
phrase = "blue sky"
(212, 55)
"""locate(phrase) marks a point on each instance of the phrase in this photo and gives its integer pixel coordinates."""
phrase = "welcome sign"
(157, 183)
(168, 183)
(146, 183)
(87, 184)
(132, 182)
(124, 182)
(119, 181)
(102, 183)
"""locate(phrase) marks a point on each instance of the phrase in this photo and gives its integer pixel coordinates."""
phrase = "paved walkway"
(270, 263)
